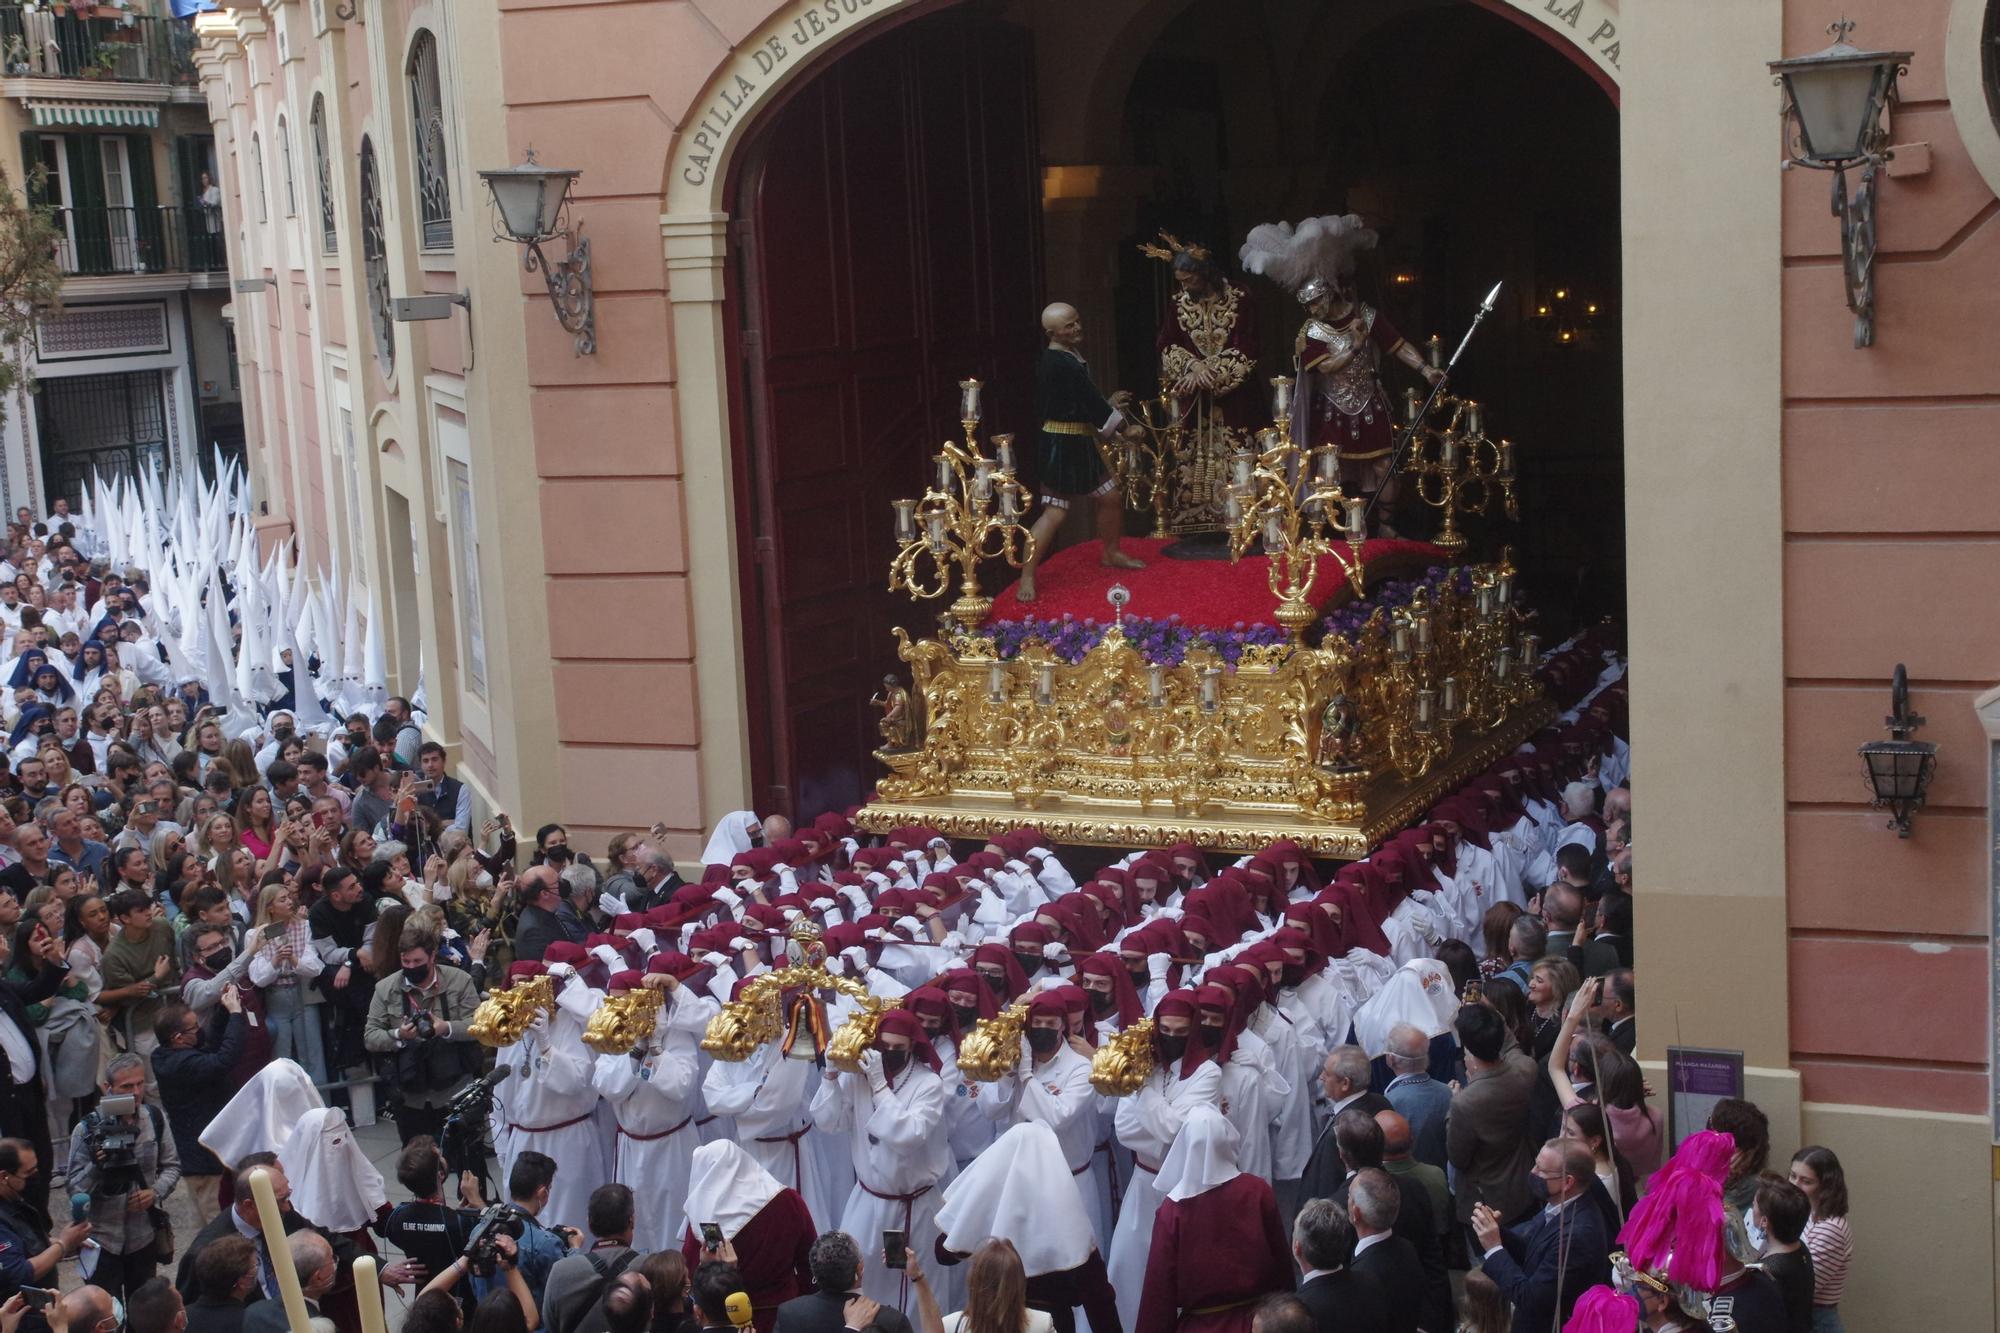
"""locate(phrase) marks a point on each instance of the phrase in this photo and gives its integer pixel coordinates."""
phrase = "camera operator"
(541, 1246)
(420, 1019)
(505, 1256)
(28, 1257)
(428, 1232)
(126, 1162)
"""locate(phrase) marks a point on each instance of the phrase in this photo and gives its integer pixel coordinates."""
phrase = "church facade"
(642, 582)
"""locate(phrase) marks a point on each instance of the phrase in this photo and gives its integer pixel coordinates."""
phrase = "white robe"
(1254, 1091)
(553, 1110)
(1148, 1122)
(1298, 1047)
(901, 1160)
(652, 1099)
(1057, 1093)
(767, 1095)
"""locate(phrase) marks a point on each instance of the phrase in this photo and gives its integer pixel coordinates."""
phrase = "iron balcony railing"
(129, 48)
(94, 242)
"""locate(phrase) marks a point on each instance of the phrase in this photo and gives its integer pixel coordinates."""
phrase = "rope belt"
(550, 1129)
(798, 1160)
(1111, 1170)
(1144, 1165)
(909, 1202)
(649, 1138)
(1069, 428)
(1230, 1305)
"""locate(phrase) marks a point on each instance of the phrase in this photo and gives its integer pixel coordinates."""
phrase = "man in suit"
(1619, 1009)
(240, 1219)
(226, 1275)
(312, 1259)
(1545, 1264)
(1373, 1203)
(1486, 1139)
(24, 1102)
(1344, 1080)
(1363, 1144)
(836, 1270)
(1340, 1299)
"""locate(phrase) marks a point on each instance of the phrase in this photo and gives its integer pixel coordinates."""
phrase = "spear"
(1409, 431)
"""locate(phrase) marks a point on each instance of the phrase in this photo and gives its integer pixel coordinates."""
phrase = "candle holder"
(1458, 469)
(971, 513)
(1145, 465)
(1291, 499)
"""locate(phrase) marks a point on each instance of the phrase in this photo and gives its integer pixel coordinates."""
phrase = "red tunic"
(773, 1252)
(1213, 1258)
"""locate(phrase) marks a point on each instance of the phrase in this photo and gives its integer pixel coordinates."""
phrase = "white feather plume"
(1321, 247)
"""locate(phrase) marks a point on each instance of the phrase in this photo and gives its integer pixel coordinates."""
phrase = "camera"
(481, 1251)
(425, 1025)
(111, 1136)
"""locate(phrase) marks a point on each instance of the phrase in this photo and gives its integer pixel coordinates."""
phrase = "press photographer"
(28, 1256)
(124, 1161)
(418, 1029)
(493, 1252)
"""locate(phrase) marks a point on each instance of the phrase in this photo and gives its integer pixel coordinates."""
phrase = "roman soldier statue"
(1340, 350)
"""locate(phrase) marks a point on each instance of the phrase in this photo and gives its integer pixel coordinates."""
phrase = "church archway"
(803, 680)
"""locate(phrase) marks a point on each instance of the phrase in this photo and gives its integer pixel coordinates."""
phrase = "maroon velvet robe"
(1214, 1257)
(773, 1252)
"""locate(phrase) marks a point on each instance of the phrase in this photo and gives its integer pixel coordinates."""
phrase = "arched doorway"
(887, 241)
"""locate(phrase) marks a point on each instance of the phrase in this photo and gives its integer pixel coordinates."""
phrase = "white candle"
(1503, 588)
(1475, 420)
(1274, 533)
(272, 1221)
(1045, 684)
(996, 682)
(1326, 460)
(906, 519)
(1003, 451)
(944, 474)
(1450, 698)
(1010, 500)
(1241, 463)
(1424, 632)
(1448, 453)
(1211, 688)
(935, 525)
(1156, 685)
(1355, 510)
(968, 400)
(368, 1294)
(1426, 708)
(1503, 662)
(1281, 396)
(1399, 641)
(982, 480)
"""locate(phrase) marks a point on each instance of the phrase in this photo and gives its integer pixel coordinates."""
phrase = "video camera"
(111, 1137)
(462, 1139)
(482, 1252)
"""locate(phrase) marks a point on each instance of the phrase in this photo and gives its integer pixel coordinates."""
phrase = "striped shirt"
(1831, 1246)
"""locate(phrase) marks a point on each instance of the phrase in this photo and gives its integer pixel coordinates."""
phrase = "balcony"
(100, 242)
(128, 48)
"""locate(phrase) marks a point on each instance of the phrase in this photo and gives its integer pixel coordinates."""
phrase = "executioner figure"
(1075, 416)
(1207, 345)
(1340, 350)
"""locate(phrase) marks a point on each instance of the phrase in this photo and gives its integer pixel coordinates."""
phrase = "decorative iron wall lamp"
(1834, 102)
(1900, 769)
(530, 206)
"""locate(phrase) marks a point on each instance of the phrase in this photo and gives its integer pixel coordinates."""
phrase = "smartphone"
(895, 1251)
(274, 931)
(38, 1298)
(711, 1236)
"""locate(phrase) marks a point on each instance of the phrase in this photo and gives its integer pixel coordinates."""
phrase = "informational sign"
(1698, 1078)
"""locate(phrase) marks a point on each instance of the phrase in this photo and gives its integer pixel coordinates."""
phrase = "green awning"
(102, 115)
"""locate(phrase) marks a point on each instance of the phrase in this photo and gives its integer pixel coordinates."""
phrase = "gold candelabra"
(1144, 465)
(972, 512)
(1455, 466)
(1291, 498)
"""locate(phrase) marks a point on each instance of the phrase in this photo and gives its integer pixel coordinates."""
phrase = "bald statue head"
(1395, 1134)
(1063, 325)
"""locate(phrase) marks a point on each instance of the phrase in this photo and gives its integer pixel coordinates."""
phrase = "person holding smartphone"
(29, 1255)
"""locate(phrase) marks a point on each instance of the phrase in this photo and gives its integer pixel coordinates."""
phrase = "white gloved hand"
(645, 939)
(561, 972)
(612, 904)
(1054, 952)
(729, 898)
(608, 956)
(852, 847)
(871, 1069)
(1025, 1067)
(742, 944)
(1157, 965)
(716, 960)
(1020, 868)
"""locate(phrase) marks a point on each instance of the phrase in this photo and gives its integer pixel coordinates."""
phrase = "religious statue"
(1337, 738)
(1207, 345)
(898, 726)
(1339, 400)
(1075, 417)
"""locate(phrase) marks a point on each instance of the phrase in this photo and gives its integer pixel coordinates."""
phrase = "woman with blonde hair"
(217, 833)
(1484, 1309)
(282, 965)
(160, 848)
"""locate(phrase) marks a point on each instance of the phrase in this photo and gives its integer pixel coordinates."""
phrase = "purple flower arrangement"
(1166, 642)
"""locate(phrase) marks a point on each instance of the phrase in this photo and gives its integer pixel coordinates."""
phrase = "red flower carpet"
(1210, 594)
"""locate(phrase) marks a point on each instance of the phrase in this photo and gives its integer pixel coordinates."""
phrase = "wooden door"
(890, 247)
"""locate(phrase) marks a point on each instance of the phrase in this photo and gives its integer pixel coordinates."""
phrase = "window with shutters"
(427, 110)
(329, 234)
(375, 260)
(257, 178)
(285, 162)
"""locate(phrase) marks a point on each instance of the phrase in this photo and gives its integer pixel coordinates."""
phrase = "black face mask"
(218, 960)
(934, 1033)
(1293, 974)
(1171, 1048)
(895, 1062)
(1141, 978)
(968, 1014)
(1102, 1002)
(997, 984)
(1031, 963)
(1043, 1041)
(1214, 1031)
(417, 976)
